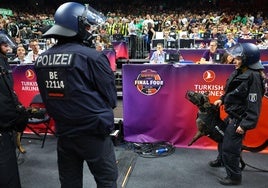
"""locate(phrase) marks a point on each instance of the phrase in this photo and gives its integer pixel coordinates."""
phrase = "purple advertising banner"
(25, 84)
(121, 49)
(154, 104)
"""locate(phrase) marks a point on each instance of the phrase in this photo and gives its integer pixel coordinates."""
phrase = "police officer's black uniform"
(9, 175)
(77, 86)
(242, 102)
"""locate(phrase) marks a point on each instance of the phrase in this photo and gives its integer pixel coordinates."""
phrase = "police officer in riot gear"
(9, 174)
(242, 100)
(78, 88)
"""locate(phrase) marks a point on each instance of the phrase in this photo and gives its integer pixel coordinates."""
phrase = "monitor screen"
(205, 35)
(186, 43)
(173, 57)
(171, 44)
(156, 41)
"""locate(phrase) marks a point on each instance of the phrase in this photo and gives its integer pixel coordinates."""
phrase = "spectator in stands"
(214, 33)
(158, 56)
(217, 35)
(21, 55)
(256, 31)
(245, 33)
(124, 27)
(132, 30)
(174, 26)
(227, 59)
(194, 33)
(237, 18)
(49, 43)
(145, 26)
(209, 55)
(2, 26)
(98, 39)
(111, 26)
(183, 33)
(25, 33)
(99, 46)
(264, 39)
(232, 29)
(151, 35)
(35, 51)
(166, 36)
(158, 23)
(259, 19)
(18, 40)
(230, 40)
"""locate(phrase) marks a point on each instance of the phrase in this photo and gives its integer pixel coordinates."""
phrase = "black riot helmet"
(249, 53)
(71, 18)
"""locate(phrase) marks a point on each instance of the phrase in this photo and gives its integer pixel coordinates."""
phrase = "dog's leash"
(254, 150)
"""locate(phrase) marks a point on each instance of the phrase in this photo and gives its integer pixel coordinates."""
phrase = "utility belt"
(234, 121)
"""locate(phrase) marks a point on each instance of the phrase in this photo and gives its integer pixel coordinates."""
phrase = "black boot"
(216, 163)
(229, 181)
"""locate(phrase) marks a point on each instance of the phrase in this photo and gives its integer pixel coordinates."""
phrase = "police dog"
(208, 119)
(209, 123)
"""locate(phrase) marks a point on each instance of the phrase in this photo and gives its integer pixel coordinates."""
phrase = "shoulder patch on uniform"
(252, 97)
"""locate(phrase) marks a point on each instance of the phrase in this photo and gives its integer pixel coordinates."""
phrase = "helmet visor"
(94, 17)
(5, 39)
(235, 51)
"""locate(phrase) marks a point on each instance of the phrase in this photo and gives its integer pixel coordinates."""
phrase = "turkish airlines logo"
(209, 76)
(30, 74)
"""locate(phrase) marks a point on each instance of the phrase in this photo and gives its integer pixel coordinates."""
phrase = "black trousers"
(9, 174)
(231, 150)
(98, 152)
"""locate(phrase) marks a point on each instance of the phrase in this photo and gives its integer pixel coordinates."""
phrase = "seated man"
(210, 55)
(158, 56)
(230, 40)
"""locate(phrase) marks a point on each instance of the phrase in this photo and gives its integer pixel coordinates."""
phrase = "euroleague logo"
(148, 82)
(209, 76)
(29, 74)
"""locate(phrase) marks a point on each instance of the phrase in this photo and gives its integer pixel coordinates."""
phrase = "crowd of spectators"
(185, 19)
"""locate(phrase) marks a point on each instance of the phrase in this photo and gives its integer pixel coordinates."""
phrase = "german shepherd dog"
(209, 123)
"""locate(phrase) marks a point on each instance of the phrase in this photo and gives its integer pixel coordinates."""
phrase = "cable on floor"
(153, 150)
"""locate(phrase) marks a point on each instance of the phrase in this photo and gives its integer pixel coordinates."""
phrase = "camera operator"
(9, 174)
